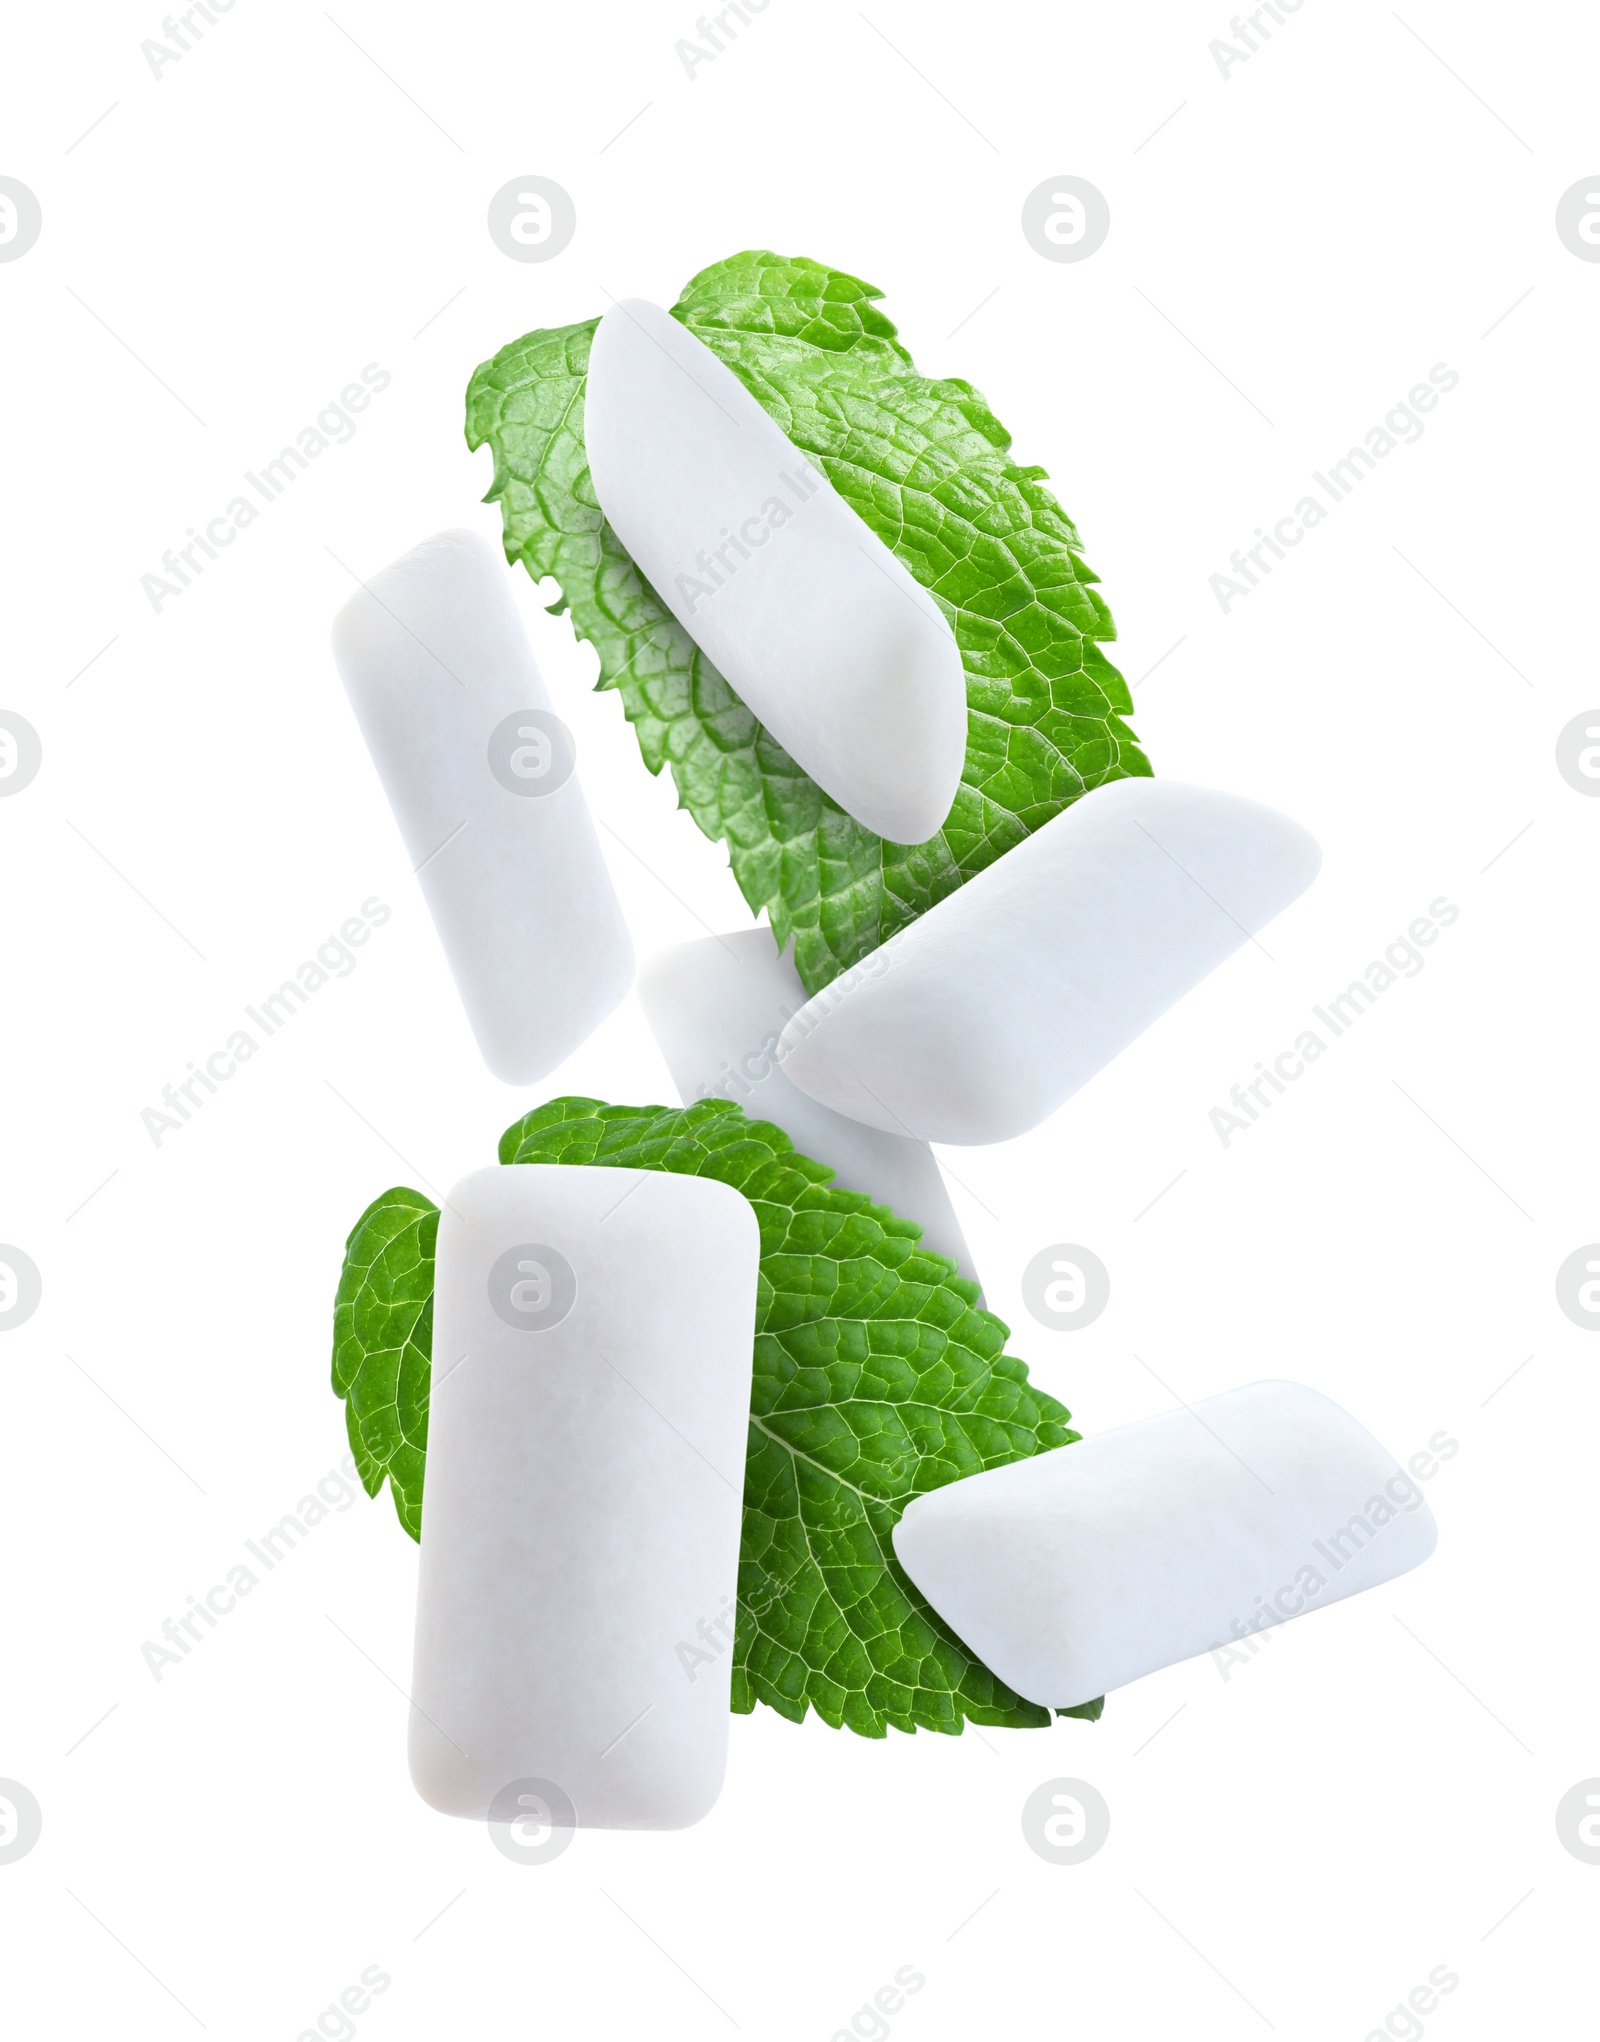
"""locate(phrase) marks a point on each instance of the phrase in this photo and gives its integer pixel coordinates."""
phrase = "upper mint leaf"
(925, 464)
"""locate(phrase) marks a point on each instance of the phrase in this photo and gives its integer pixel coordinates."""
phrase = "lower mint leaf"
(877, 1377)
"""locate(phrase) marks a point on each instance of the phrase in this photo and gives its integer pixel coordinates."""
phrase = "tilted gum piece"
(817, 627)
(974, 1023)
(436, 665)
(581, 1516)
(1094, 1564)
(717, 1009)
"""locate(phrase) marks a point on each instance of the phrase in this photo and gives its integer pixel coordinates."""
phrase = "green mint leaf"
(382, 1341)
(925, 464)
(877, 1377)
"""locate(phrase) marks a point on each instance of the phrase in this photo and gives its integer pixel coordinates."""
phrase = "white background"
(1373, 1795)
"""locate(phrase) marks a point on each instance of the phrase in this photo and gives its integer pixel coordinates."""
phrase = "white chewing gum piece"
(592, 1355)
(718, 1008)
(816, 626)
(438, 670)
(1094, 1564)
(974, 1023)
